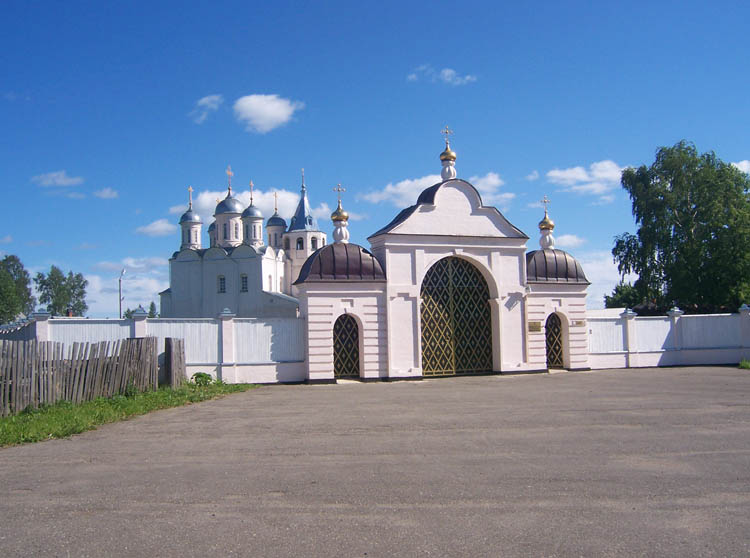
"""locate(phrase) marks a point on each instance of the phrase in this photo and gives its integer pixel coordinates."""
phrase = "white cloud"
(160, 227)
(178, 209)
(139, 287)
(445, 75)
(404, 193)
(106, 193)
(57, 178)
(533, 175)
(601, 271)
(600, 179)
(132, 265)
(205, 106)
(263, 113)
(7, 239)
(569, 241)
(744, 166)
(75, 195)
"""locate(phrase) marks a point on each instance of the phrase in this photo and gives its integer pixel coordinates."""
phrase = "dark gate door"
(553, 331)
(456, 322)
(346, 347)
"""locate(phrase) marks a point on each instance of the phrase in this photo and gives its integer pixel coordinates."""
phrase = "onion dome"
(339, 214)
(276, 220)
(212, 227)
(252, 211)
(448, 154)
(546, 224)
(190, 216)
(230, 204)
(341, 262)
(553, 266)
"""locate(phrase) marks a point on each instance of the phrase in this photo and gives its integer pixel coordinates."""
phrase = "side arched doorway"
(346, 347)
(554, 337)
(455, 320)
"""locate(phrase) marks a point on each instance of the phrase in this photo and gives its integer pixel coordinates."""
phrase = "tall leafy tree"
(693, 217)
(10, 302)
(152, 310)
(62, 292)
(21, 283)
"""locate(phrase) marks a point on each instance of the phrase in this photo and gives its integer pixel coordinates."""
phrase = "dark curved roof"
(340, 262)
(428, 197)
(553, 266)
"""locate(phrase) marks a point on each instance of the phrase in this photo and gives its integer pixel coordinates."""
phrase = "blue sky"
(110, 111)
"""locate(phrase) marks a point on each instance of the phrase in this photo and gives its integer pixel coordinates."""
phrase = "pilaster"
(225, 370)
(631, 341)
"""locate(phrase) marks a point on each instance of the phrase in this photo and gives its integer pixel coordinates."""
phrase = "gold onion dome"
(546, 224)
(448, 154)
(339, 214)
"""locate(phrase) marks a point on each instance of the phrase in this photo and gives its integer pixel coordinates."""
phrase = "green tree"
(21, 283)
(10, 302)
(128, 314)
(61, 292)
(693, 216)
(152, 310)
(624, 295)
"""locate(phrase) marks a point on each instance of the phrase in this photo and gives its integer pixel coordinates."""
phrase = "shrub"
(745, 364)
(202, 379)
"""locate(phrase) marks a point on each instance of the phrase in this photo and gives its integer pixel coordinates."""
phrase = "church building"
(446, 288)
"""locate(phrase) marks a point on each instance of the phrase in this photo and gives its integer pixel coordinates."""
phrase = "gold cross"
(546, 201)
(303, 176)
(230, 174)
(251, 192)
(339, 189)
(275, 202)
(447, 132)
(190, 195)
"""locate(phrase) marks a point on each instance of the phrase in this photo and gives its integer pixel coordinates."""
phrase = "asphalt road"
(611, 463)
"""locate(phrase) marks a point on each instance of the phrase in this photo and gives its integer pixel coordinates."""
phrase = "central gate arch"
(456, 323)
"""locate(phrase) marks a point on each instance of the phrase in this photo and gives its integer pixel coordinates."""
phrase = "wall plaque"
(535, 326)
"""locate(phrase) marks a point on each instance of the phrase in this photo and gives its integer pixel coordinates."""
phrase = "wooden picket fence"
(174, 361)
(43, 372)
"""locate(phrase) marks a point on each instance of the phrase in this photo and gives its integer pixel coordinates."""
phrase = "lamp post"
(120, 289)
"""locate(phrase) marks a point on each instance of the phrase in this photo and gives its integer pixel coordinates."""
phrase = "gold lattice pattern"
(346, 347)
(554, 342)
(456, 322)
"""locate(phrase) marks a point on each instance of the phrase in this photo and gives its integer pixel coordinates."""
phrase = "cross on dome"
(447, 132)
(251, 192)
(190, 197)
(303, 179)
(339, 189)
(230, 174)
(276, 202)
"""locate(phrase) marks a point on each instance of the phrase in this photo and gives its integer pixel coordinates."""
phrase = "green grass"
(65, 419)
(745, 364)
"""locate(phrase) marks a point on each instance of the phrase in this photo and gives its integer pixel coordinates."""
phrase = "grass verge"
(65, 419)
(745, 364)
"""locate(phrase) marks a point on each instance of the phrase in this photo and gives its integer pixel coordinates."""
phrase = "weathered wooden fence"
(174, 361)
(43, 372)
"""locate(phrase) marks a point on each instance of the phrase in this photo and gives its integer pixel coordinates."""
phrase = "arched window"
(247, 232)
(222, 284)
(324, 241)
(226, 231)
(275, 239)
(184, 236)
(300, 244)
(195, 236)
(243, 283)
(286, 244)
(314, 243)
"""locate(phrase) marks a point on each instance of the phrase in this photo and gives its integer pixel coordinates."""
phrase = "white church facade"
(447, 287)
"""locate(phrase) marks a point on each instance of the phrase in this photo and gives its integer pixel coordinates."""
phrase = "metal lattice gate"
(346, 347)
(456, 321)
(553, 332)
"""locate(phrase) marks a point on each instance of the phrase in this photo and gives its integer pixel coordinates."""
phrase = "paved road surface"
(611, 463)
